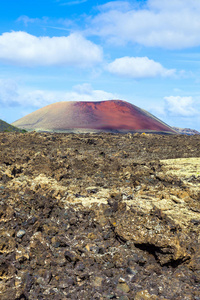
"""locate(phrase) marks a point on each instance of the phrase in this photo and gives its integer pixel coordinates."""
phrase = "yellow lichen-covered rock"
(144, 295)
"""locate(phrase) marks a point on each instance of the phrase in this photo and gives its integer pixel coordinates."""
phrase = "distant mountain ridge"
(83, 116)
(5, 127)
(186, 131)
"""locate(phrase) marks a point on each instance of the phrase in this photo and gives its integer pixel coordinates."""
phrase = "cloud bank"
(180, 106)
(154, 23)
(8, 92)
(12, 95)
(138, 67)
(21, 48)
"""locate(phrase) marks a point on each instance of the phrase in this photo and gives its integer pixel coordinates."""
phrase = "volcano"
(110, 116)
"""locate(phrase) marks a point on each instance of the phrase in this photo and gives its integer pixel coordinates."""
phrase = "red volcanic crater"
(110, 115)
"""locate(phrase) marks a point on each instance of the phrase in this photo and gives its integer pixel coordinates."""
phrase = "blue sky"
(145, 52)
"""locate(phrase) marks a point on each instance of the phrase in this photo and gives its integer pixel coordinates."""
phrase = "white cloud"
(24, 49)
(76, 2)
(26, 20)
(166, 5)
(8, 92)
(138, 67)
(87, 93)
(167, 24)
(83, 92)
(180, 106)
(12, 95)
(46, 22)
(115, 5)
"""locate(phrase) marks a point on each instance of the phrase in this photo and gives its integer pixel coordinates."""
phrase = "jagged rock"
(21, 233)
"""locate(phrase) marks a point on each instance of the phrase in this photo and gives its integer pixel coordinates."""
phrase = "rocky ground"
(99, 216)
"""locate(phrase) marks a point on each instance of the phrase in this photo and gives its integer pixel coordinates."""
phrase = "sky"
(146, 52)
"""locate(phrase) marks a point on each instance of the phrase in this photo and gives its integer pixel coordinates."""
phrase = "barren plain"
(99, 216)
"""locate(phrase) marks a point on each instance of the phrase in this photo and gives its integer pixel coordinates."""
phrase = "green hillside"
(5, 127)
